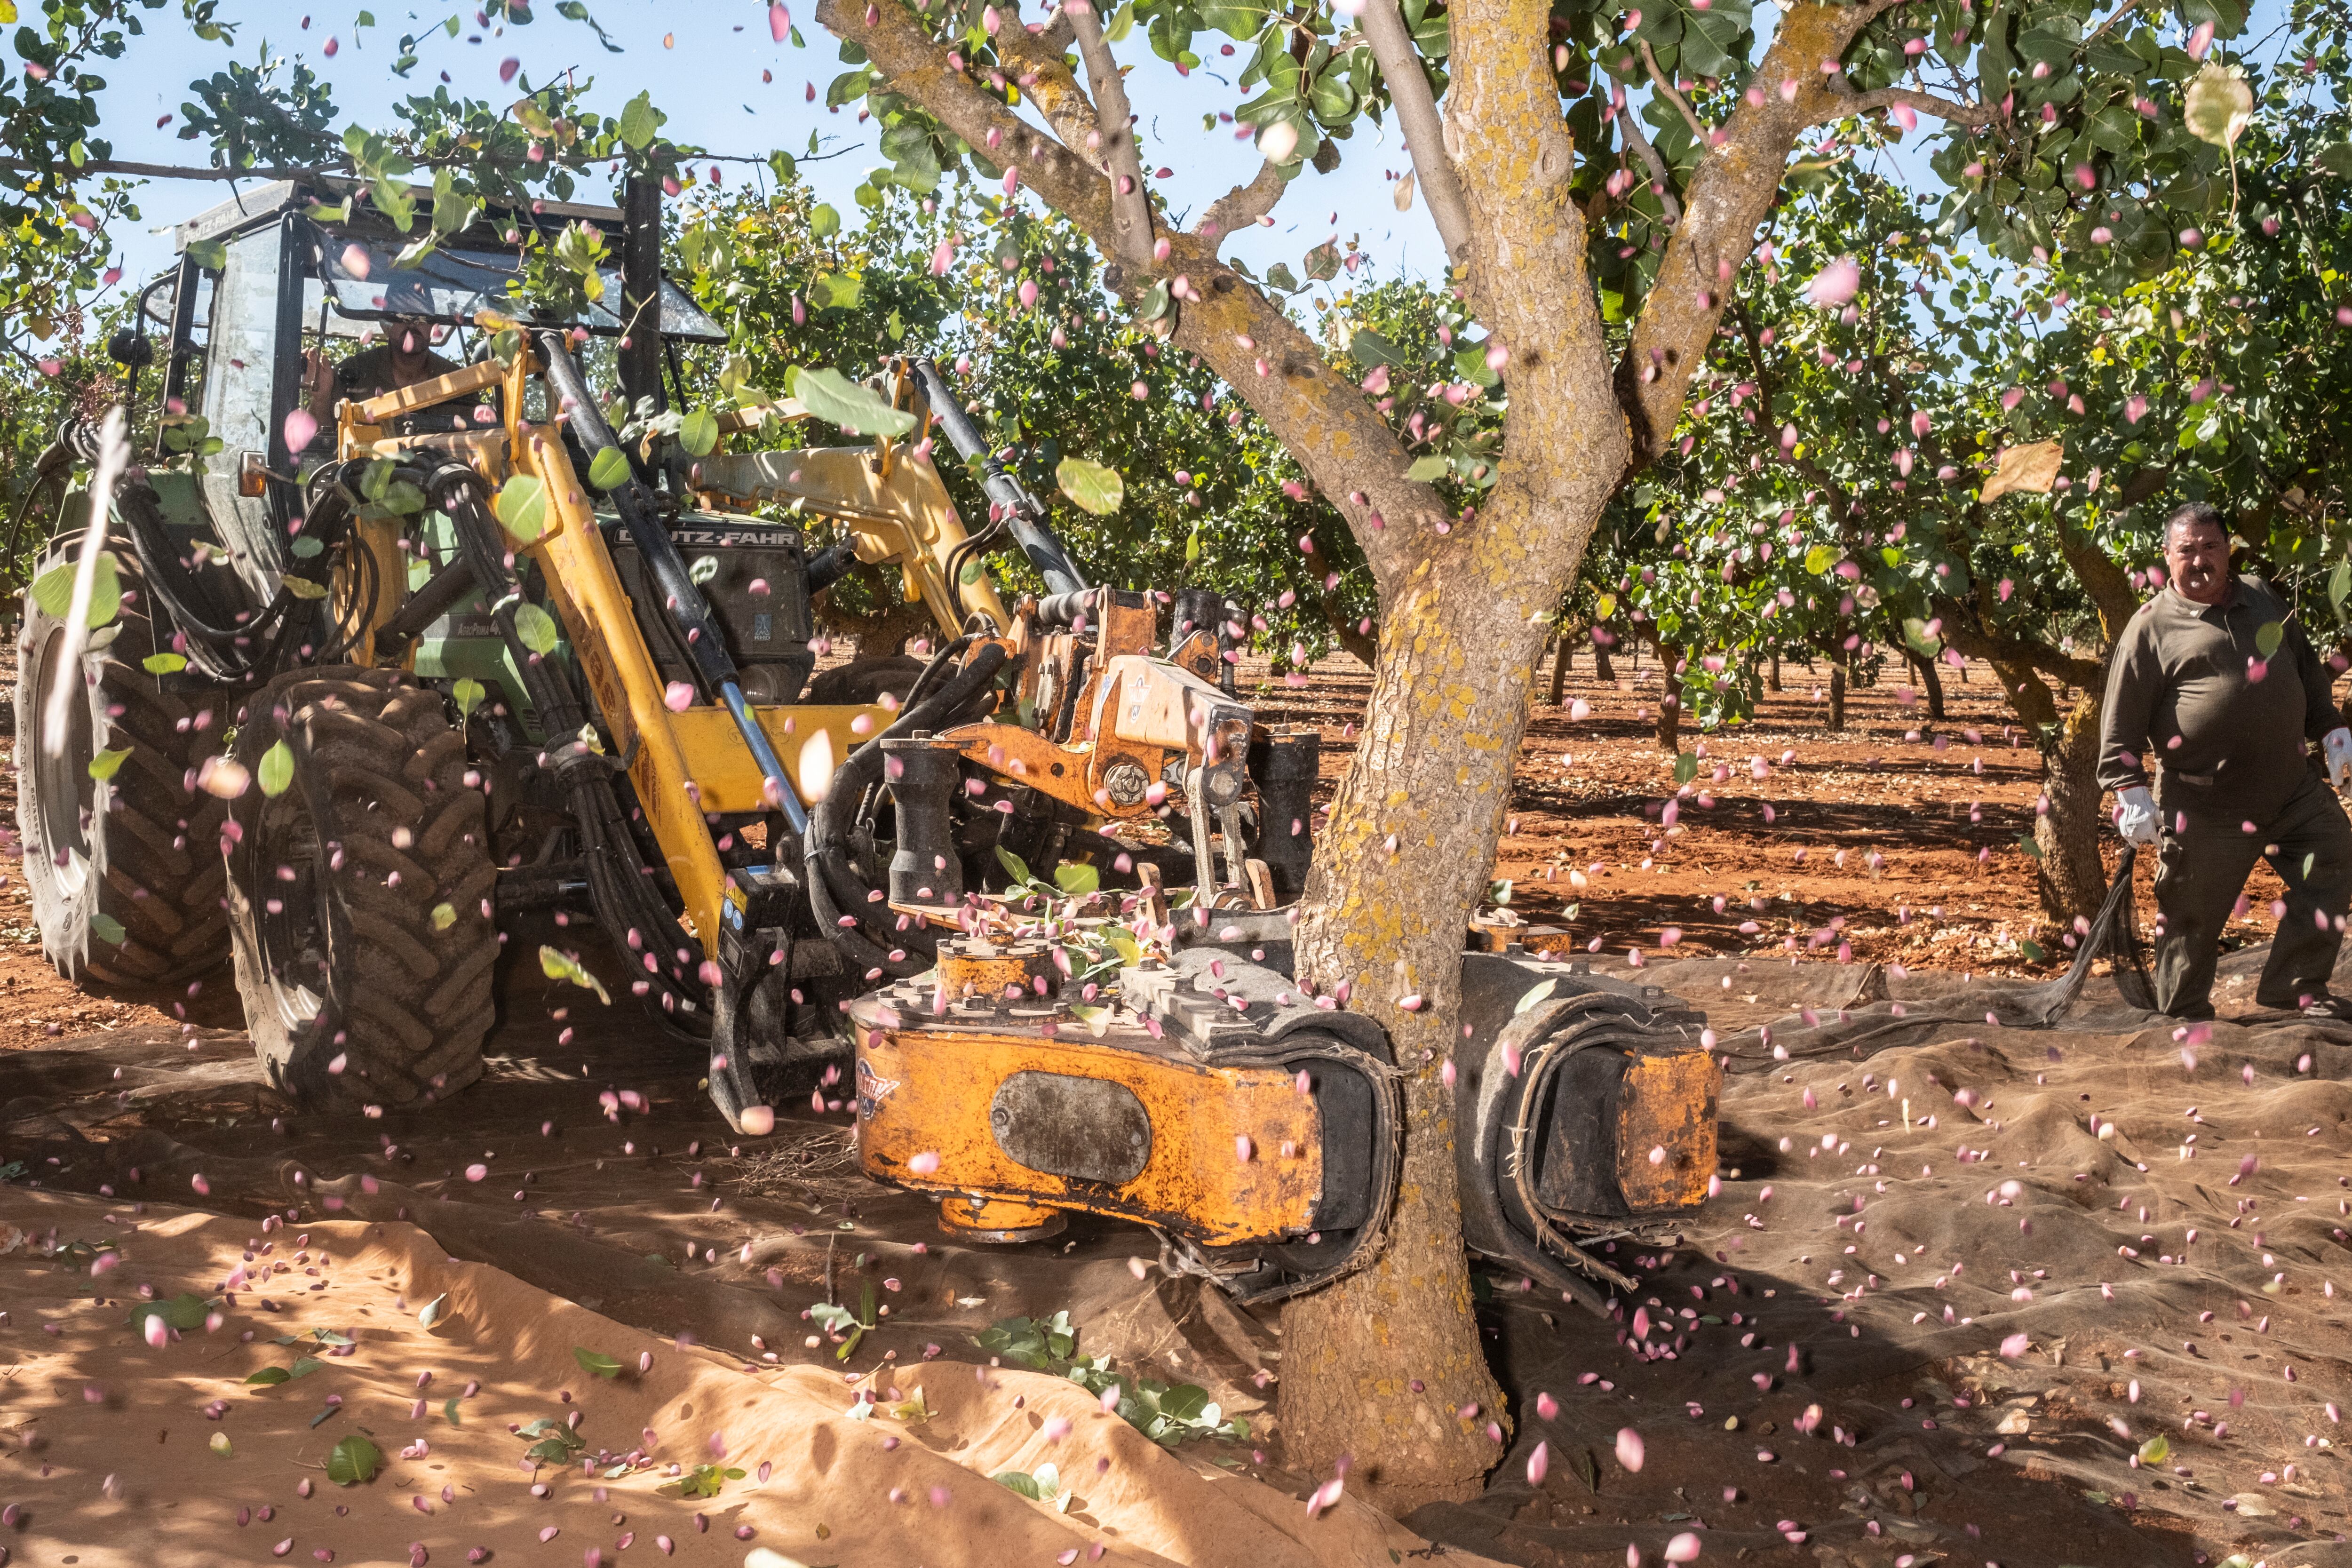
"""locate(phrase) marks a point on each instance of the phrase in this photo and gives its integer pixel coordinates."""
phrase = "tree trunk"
(1670, 706)
(1774, 682)
(1930, 682)
(1457, 652)
(2071, 877)
(1603, 666)
(1837, 698)
(1566, 651)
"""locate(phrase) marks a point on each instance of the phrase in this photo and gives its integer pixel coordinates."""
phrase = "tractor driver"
(2192, 688)
(404, 358)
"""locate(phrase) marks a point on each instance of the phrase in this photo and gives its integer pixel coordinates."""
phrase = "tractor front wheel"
(360, 891)
(123, 875)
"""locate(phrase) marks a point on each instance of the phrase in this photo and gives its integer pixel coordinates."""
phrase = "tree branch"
(1130, 205)
(1325, 421)
(1242, 206)
(1668, 89)
(917, 66)
(1729, 195)
(1850, 103)
(2120, 12)
(1661, 177)
(1400, 64)
(1994, 648)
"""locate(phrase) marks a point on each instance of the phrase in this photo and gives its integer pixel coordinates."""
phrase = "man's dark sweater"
(2187, 689)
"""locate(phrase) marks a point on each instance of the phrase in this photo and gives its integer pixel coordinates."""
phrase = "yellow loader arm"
(895, 509)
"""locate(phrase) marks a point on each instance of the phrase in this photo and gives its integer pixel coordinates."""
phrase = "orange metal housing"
(1235, 1152)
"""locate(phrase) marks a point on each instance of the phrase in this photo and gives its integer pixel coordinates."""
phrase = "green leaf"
(354, 1462)
(53, 590)
(444, 917)
(699, 433)
(1426, 470)
(1686, 767)
(1371, 349)
(276, 769)
(1121, 23)
(2217, 104)
(1021, 1481)
(595, 1363)
(303, 1367)
(105, 764)
(558, 965)
(449, 1411)
(430, 1314)
(108, 930)
(1154, 303)
(835, 399)
(2155, 1450)
(836, 292)
(1076, 880)
(522, 506)
(164, 663)
(1282, 277)
(468, 692)
(1535, 993)
(306, 547)
(1095, 488)
(1821, 558)
(303, 588)
(638, 123)
(1017, 869)
(609, 469)
(2026, 845)
(1323, 262)
(2339, 585)
(2032, 950)
(536, 628)
(183, 1312)
(823, 222)
(209, 254)
(2267, 638)
(270, 1377)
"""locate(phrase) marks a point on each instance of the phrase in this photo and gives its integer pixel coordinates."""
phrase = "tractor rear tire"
(361, 892)
(125, 878)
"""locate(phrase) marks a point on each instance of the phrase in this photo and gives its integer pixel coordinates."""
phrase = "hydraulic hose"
(1016, 508)
(831, 878)
(641, 924)
(705, 645)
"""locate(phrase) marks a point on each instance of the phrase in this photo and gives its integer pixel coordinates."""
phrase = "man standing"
(2214, 681)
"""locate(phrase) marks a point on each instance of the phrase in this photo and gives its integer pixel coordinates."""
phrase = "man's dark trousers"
(2203, 861)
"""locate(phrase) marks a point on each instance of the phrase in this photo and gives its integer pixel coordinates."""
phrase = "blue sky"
(707, 79)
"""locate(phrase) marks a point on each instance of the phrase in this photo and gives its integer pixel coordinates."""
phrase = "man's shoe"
(2337, 1008)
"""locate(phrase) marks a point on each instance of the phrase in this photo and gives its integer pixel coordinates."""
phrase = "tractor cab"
(285, 272)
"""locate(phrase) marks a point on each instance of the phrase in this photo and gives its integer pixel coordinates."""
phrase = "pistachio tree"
(1593, 164)
(1010, 303)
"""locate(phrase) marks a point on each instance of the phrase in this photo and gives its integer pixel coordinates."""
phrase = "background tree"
(1010, 302)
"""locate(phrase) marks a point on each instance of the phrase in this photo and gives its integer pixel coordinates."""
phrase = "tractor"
(372, 688)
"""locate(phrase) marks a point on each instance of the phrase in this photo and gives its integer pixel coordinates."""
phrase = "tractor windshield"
(454, 286)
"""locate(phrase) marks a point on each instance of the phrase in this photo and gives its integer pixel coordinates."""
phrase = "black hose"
(1016, 507)
(705, 644)
(619, 890)
(831, 878)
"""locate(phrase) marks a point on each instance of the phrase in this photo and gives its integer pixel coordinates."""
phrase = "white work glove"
(2337, 749)
(2135, 812)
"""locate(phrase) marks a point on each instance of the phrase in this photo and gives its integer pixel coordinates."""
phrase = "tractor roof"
(352, 257)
